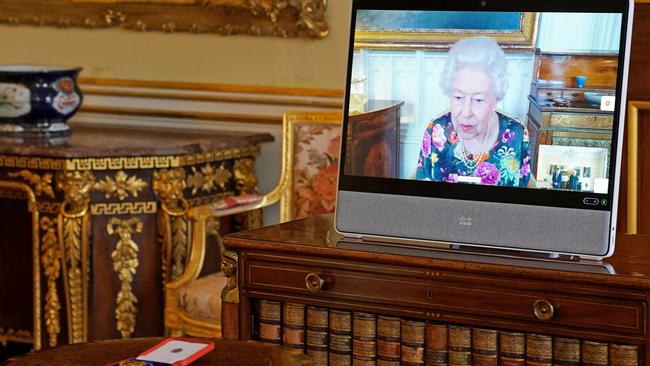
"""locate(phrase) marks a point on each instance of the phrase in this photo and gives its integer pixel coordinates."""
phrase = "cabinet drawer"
(576, 120)
(445, 296)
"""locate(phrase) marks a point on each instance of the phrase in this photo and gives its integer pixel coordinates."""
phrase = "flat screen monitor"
(485, 123)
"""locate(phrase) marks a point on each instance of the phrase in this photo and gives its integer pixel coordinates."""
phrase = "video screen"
(510, 99)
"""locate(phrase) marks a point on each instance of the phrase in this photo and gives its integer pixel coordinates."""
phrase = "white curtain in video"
(579, 32)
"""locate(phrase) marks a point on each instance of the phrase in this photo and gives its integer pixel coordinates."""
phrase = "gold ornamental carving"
(77, 187)
(230, 293)
(125, 264)
(208, 178)
(124, 208)
(73, 241)
(245, 179)
(42, 185)
(246, 183)
(280, 18)
(50, 260)
(180, 236)
(120, 186)
(169, 184)
(119, 163)
(12, 335)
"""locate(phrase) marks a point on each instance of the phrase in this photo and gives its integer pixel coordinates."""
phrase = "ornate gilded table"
(92, 225)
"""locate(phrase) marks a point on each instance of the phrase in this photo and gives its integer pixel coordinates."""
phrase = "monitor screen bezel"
(471, 192)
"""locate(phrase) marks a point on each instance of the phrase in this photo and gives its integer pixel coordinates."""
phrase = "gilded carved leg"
(74, 234)
(125, 264)
(73, 243)
(169, 184)
(230, 296)
(51, 262)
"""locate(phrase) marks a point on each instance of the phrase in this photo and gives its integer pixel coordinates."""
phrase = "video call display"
(500, 99)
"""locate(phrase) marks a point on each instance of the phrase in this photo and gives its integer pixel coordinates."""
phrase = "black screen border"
(473, 192)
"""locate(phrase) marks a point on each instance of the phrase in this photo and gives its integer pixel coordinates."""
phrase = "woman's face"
(472, 102)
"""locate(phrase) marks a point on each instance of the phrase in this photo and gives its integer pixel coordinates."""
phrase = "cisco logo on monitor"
(465, 221)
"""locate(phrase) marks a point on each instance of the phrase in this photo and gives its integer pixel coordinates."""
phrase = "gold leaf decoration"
(121, 186)
(179, 245)
(125, 264)
(245, 178)
(42, 185)
(208, 178)
(12, 335)
(169, 184)
(74, 230)
(50, 260)
(77, 187)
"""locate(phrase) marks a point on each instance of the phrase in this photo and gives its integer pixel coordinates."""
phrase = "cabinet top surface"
(92, 141)
(629, 266)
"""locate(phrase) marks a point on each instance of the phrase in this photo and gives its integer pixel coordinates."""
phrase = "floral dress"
(443, 158)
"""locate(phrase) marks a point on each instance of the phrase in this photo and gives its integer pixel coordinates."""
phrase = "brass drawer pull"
(313, 282)
(543, 310)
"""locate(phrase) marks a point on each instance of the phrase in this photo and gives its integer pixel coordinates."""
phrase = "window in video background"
(567, 134)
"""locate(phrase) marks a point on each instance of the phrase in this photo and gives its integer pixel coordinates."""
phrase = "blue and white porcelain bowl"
(38, 99)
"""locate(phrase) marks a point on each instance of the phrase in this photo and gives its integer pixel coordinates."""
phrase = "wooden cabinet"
(306, 262)
(93, 224)
(373, 140)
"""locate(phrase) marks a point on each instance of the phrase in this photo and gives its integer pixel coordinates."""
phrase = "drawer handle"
(313, 282)
(543, 310)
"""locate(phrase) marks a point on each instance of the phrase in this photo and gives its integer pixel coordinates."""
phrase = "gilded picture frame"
(281, 18)
(414, 30)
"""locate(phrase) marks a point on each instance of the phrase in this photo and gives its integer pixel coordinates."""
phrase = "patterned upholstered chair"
(307, 186)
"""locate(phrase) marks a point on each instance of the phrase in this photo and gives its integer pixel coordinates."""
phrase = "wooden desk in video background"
(373, 140)
(599, 305)
(93, 224)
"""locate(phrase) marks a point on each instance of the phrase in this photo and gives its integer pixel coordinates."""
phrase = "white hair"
(483, 53)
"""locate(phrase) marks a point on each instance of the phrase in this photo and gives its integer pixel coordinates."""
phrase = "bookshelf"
(348, 302)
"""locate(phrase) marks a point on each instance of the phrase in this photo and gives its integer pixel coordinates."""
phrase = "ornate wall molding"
(280, 18)
(125, 264)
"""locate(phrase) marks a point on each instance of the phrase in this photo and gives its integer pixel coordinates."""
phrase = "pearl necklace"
(470, 162)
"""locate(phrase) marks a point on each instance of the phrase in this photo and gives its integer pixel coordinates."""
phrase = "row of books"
(342, 338)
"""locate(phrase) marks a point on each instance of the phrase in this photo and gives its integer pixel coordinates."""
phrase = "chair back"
(311, 148)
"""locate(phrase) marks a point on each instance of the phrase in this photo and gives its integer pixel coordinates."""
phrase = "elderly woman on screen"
(472, 142)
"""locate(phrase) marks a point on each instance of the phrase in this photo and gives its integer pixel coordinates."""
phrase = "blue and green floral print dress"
(443, 159)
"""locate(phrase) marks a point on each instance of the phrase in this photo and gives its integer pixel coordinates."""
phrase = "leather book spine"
(484, 347)
(460, 346)
(412, 342)
(388, 341)
(270, 321)
(317, 335)
(340, 338)
(364, 339)
(623, 355)
(436, 345)
(539, 350)
(566, 351)
(293, 325)
(512, 349)
(595, 353)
